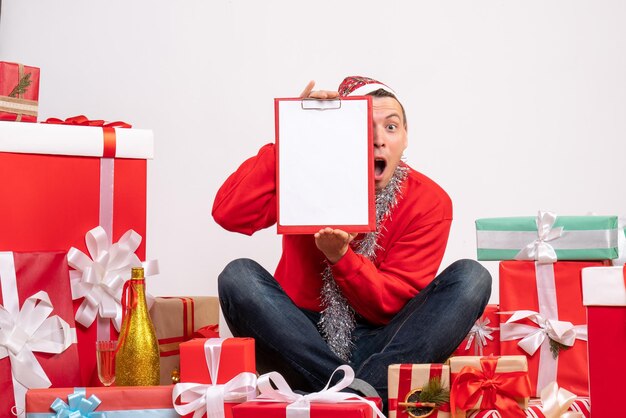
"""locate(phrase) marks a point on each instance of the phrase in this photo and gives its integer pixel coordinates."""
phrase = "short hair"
(385, 93)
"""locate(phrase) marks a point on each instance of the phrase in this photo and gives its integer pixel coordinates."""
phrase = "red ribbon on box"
(498, 390)
(107, 129)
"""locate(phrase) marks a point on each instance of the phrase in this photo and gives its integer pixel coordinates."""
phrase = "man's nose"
(379, 138)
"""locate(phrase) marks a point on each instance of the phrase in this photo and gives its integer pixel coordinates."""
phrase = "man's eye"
(392, 127)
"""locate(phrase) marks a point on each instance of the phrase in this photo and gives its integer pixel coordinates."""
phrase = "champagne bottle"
(137, 358)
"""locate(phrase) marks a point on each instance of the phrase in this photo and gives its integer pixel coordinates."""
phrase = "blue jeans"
(427, 330)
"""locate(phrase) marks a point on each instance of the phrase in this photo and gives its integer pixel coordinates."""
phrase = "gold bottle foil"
(137, 358)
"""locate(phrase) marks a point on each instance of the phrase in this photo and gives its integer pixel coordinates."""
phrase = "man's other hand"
(309, 93)
(333, 243)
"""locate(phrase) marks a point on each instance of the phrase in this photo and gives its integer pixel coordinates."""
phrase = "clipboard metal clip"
(320, 104)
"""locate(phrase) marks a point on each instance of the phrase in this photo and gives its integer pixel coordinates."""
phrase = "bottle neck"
(134, 294)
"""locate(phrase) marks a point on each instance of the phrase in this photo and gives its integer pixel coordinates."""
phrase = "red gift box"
(604, 291)
(126, 401)
(547, 299)
(484, 337)
(278, 400)
(237, 355)
(405, 378)
(35, 287)
(256, 409)
(534, 411)
(57, 186)
(554, 403)
(222, 361)
(19, 92)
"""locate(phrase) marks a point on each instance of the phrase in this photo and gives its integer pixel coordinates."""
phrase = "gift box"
(277, 400)
(547, 238)
(215, 374)
(482, 383)
(257, 409)
(548, 321)
(235, 355)
(37, 331)
(484, 337)
(114, 401)
(61, 181)
(604, 294)
(175, 320)
(405, 382)
(555, 402)
(19, 92)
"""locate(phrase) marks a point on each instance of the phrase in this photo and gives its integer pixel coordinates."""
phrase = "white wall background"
(513, 106)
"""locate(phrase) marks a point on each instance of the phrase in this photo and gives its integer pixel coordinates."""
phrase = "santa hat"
(361, 86)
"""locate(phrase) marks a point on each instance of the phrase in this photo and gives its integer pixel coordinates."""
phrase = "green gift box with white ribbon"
(547, 238)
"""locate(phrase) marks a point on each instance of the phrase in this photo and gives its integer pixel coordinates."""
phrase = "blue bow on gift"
(79, 406)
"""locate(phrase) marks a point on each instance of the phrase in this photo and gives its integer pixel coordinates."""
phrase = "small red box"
(23, 275)
(237, 355)
(489, 326)
(127, 401)
(19, 92)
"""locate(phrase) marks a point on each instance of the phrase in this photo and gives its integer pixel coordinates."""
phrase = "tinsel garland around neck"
(337, 320)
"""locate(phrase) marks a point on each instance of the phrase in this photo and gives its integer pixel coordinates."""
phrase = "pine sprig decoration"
(435, 393)
(22, 86)
(422, 403)
(556, 347)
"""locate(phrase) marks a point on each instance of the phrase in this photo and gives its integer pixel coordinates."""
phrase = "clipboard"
(324, 165)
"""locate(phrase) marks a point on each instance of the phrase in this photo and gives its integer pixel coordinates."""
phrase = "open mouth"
(379, 167)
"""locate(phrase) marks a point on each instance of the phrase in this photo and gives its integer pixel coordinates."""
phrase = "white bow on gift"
(209, 399)
(32, 329)
(556, 401)
(100, 278)
(539, 249)
(532, 337)
(300, 405)
(479, 334)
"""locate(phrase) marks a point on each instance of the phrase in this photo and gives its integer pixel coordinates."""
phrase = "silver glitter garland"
(337, 320)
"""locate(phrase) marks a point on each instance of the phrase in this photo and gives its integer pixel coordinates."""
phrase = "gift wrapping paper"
(404, 378)
(58, 183)
(175, 320)
(20, 105)
(510, 377)
(37, 331)
(604, 294)
(237, 355)
(484, 337)
(547, 238)
(552, 295)
(111, 402)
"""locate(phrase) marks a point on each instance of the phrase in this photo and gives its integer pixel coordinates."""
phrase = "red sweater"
(413, 241)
